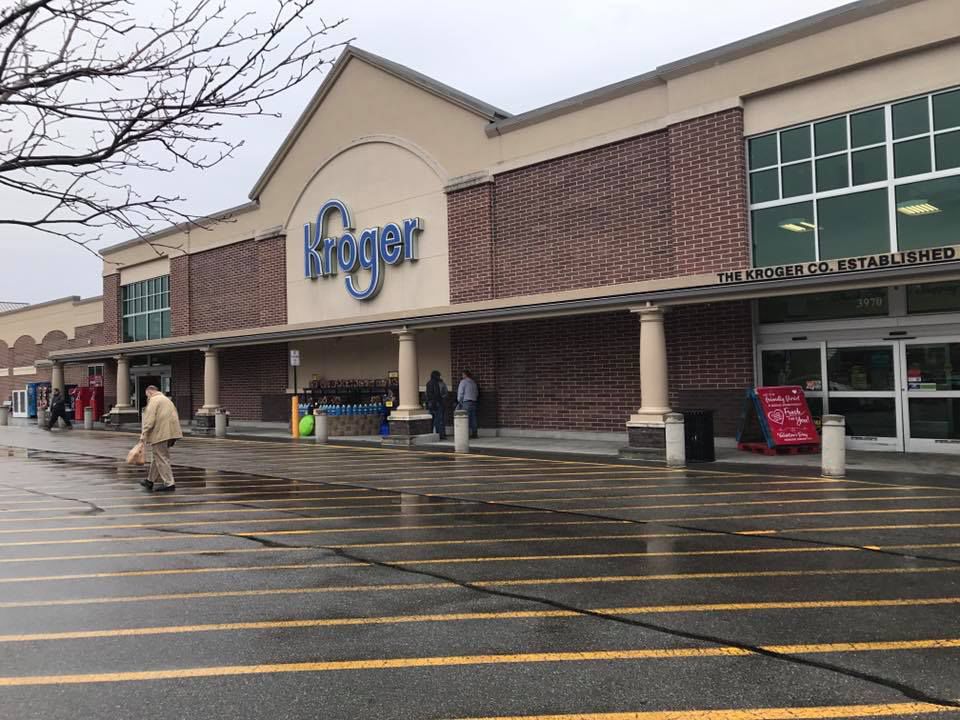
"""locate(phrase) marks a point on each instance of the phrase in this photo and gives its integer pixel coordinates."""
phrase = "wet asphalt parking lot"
(296, 581)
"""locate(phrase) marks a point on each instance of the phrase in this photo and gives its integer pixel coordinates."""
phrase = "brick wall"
(593, 218)
(710, 359)
(180, 295)
(111, 310)
(253, 381)
(708, 194)
(666, 204)
(471, 251)
(237, 286)
(582, 373)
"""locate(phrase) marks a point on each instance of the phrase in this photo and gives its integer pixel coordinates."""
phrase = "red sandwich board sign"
(777, 417)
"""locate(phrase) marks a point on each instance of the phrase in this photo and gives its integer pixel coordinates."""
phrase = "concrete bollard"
(41, 418)
(220, 424)
(88, 418)
(833, 447)
(675, 440)
(461, 431)
(4, 416)
(321, 428)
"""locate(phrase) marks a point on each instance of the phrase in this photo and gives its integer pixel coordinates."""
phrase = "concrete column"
(321, 429)
(211, 382)
(409, 423)
(409, 376)
(123, 383)
(56, 377)
(461, 431)
(833, 447)
(654, 388)
(676, 449)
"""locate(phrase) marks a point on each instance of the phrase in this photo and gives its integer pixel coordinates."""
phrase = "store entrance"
(895, 394)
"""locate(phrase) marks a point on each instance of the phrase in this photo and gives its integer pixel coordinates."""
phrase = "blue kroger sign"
(324, 256)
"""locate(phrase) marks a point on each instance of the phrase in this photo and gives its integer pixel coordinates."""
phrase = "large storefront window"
(146, 309)
(824, 190)
(871, 302)
(933, 297)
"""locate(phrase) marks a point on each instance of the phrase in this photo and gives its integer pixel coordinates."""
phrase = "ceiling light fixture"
(797, 225)
(917, 207)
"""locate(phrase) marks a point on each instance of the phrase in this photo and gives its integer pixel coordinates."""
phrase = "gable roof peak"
(485, 110)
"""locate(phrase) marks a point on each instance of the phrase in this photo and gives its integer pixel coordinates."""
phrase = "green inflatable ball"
(306, 425)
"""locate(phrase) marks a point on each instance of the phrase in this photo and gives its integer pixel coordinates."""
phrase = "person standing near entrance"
(436, 403)
(58, 409)
(160, 429)
(467, 394)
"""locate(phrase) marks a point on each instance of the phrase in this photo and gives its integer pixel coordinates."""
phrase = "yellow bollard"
(295, 416)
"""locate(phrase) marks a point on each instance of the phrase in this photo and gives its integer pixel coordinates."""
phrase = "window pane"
(832, 173)
(911, 118)
(852, 225)
(793, 367)
(763, 186)
(934, 366)
(166, 283)
(128, 330)
(868, 368)
(867, 128)
(928, 213)
(948, 150)
(797, 179)
(795, 144)
(935, 418)
(155, 326)
(152, 302)
(140, 327)
(830, 135)
(165, 300)
(912, 157)
(934, 297)
(783, 234)
(946, 110)
(165, 320)
(869, 166)
(870, 302)
(867, 417)
(763, 151)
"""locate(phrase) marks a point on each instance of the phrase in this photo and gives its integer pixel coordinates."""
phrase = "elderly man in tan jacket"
(159, 429)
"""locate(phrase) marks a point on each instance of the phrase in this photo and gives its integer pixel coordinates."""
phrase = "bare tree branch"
(92, 90)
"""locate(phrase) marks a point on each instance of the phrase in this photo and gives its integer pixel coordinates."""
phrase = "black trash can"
(698, 435)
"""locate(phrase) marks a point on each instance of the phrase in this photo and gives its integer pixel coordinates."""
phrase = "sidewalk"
(727, 456)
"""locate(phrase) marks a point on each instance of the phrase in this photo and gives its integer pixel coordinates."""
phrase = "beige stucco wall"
(64, 315)
(366, 357)
(897, 78)
(145, 271)
(380, 182)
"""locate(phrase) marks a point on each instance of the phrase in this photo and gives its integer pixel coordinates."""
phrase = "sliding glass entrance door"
(862, 385)
(931, 391)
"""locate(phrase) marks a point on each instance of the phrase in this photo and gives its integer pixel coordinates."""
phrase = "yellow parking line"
(600, 579)
(432, 561)
(466, 660)
(475, 616)
(824, 712)
(277, 533)
(436, 501)
(217, 523)
(361, 546)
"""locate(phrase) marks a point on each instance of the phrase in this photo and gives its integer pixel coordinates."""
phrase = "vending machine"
(38, 397)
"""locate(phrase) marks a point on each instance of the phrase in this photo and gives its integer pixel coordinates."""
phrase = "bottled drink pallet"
(763, 449)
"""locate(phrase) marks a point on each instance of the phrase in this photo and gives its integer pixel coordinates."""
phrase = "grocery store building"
(781, 210)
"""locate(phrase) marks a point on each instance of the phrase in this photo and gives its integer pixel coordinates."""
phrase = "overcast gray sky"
(516, 54)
